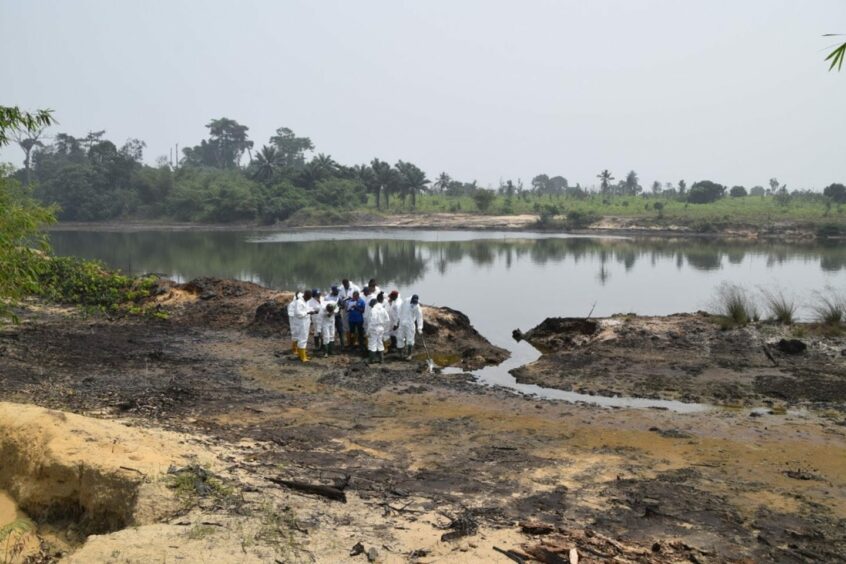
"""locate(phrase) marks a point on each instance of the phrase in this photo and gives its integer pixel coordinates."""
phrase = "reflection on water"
(502, 280)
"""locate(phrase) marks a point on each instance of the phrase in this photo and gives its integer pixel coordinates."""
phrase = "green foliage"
(13, 119)
(781, 307)
(837, 55)
(735, 303)
(836, 191)
(72, 280)
(830, 307)
(21, 243)
(484, 199)
(705, 191)
(737, 192)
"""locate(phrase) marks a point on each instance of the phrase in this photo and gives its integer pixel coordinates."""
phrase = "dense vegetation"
(223, 179)
(27, 265)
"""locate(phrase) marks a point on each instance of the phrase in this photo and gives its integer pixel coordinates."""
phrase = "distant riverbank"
(610, 225)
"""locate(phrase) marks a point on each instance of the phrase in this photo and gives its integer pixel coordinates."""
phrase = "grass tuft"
(782, 308)
(830, 307)
(735, 303)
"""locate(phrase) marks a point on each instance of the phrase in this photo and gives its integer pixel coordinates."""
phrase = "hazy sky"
(730, 90)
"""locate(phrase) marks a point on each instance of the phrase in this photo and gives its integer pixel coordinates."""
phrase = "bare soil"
(607, 225)
(434, 467)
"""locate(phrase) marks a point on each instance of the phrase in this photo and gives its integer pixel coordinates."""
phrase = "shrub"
(705, 191)
(578, 220)
(484, 199)
(737, 192)
(830, 230)
(77, 281)
(837, 192)
(830, 307)
(781, 308)
(735, 303)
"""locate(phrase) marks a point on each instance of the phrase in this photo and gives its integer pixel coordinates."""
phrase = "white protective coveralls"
(293, 322)
(326, 321)
(393, 313)
(410, 318)
(378, 324)
(315, 305)
(303, 322)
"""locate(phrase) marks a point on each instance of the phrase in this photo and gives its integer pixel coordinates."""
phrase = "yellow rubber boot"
(303, 354)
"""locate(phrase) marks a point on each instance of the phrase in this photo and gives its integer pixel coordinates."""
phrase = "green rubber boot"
(371, 357)
(408, 349)
(381, 357)
(330, 349)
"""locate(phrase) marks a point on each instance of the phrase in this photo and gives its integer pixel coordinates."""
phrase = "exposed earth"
(200, 438)
(606, 225)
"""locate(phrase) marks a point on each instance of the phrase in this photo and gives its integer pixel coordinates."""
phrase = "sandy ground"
(415, 452)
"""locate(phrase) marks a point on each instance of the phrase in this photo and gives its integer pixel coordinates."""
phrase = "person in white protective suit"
(326, 319)
(303, 315)
(394, 303)
(293, 323)
(315, 304)
(410, 323)
(376, 327)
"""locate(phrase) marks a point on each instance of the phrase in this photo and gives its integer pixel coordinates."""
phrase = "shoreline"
(608, 226)
(411, 446)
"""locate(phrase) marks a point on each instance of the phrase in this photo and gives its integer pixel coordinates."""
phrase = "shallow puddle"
(499, 376)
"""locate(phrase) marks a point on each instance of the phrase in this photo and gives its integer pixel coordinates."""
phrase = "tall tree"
(266, 164)
(632, 184)
(386, 179)
(412, 179)
(292, 149)
(226, 145)
(605, 177)
(440, 185)
(27, 140)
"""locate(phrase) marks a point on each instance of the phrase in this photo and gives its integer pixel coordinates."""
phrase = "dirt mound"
(561, 332)
(98, 474)
(230, 304)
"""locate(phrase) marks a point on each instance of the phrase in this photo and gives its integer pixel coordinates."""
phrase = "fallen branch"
(328, 492)
(511, 554)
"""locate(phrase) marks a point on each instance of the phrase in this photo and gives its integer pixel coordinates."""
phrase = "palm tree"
(325, 164)
(386, 179)
(442, 182)
(413, 180)
(364, 173)
(266, 163)
(605, 179)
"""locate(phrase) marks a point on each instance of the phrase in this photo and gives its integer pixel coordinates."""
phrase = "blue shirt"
(356, 310)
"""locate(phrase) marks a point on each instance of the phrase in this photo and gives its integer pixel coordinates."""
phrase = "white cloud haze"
(732, 91)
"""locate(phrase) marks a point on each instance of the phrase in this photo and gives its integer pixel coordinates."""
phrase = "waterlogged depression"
(501, 280)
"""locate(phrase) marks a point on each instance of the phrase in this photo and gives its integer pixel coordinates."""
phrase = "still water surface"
(501, 280)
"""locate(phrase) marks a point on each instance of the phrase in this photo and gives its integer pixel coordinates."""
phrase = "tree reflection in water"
(190, 254)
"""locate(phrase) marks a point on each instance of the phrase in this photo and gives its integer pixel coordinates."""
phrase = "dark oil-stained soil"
(690, 357)
(642, 485)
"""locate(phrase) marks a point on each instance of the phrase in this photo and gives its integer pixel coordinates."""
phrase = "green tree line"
(225, 178)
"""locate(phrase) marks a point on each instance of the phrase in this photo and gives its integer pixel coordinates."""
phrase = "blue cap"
(415, 298)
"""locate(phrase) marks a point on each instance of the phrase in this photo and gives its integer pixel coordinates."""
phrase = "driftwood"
(516, 557)
(329, 492)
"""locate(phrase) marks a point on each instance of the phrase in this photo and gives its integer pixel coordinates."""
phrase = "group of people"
(361, 319)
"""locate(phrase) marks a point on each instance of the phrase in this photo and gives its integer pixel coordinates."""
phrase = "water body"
(501, 280)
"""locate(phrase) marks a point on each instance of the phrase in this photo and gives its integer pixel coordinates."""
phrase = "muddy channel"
(432, 466)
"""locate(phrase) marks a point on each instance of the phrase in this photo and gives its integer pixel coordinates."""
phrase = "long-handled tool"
(429, 361)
